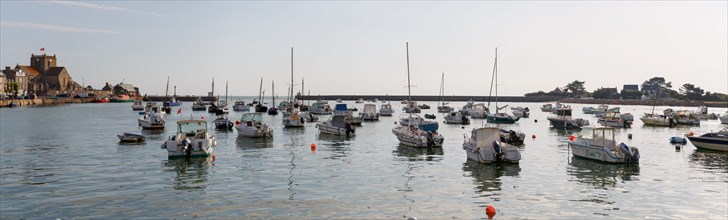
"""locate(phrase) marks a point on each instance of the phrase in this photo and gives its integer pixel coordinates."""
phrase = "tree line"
(655, 87)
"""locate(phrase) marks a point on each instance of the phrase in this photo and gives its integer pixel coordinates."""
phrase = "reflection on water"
(339, 145)
(418, 154)
(253, 143)
(488, 176)
(562, 132)
(601, 175)
(191, 173)
(711, 160)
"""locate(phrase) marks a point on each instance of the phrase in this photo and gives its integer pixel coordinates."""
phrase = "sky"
(358, 47)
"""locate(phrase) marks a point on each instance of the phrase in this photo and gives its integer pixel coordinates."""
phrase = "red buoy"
(313, 146)
(533, 136)
(572, 138)
(490, 211)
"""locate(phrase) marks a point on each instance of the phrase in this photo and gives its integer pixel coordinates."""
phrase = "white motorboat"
(138, 105)
(600, 111)
(336, 125)
(588, 110)
(563, 119)
(338, 101)
(152, 119)
(456, 118)
(724, 118)
(386, 110)
(414, 131)
(250, 125)
(293, 119)
(702, 114)
(684, 117)
(191, 140)
(198, 105)
(484, 145)
(547, 107)
(240, 106)
(712, 141)
(369, 113)
(359, 101)
(598, 143)
(465, 110)
(223, 123)
(413, 136)
(341, 109)
(614, 118)
(512, 137)
(669, 112)
(320, 108)
(479, 111)
(308, 116)
(658, 120)
(520, 112)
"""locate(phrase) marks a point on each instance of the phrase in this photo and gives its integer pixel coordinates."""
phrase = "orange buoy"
(691, 134)
(313, 146)
(572, 138)
(533, 136)
(490, 211)
(213, 157)
(202, 117)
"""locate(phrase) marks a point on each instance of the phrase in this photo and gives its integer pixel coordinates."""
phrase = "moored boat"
(341, 109)
(320, 108)
(712, 141)
(456, 118)
(240, 106)
(197, 105)
(191, 140)
(724, 118)
(122, 98)
(484, 145)
(250, 125)
(597, 143)
(130, 137)
(547, 107)
(563, 119)
(152, 119)
(336, 125)
(138, 105)
(369, 113)
(386, 110)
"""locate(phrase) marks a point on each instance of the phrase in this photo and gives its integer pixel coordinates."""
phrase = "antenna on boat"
(409, 90)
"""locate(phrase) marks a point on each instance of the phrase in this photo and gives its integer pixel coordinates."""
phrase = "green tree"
(605, 93)
(12, 87)
(692, 92)
(576, 87)
(656, 81)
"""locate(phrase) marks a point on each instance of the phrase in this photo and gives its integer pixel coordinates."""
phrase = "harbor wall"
(433, 98)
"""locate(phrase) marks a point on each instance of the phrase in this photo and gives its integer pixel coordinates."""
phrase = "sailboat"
(222, 122)
(498, 117)
(165, 104)
(291, 118)
(213, 107)
(657, 120)
(260, 107)
(174, 101)
(411, 134)
(442, 105)
(273, 110)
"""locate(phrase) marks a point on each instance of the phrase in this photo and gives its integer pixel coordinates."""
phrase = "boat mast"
(442, 90)
(273, 93)
(290, 96)
(212, 94)
(495, 68)
(302, 90)
(491, 79)
(409, 89)
(226, 92)
(260, 92)
(167, 89)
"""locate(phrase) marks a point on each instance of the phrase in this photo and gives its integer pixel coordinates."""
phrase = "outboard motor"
(630, 156)
(499, 155)
(349, 129)
(430, 139)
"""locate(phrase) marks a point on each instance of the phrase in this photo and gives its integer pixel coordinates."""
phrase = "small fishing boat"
(456, 118)
(338, 101)
(424, 106)
(130, 138)
(678, 140)
(101, 100)
(711, 141)
(413, 136)
(563, 119)
(320, 108)
(430, 116)
(588, 110)
(341, 109)
(465, 110)
(724, 118)
(658, 120)
(240, 106)
(411, 107)
(359, 101)
(152, 119)
(441, 104)
(250, 125)
(502, 118)
(614, 118)
(308, 116)
(485, 146)
(684, 117)
(223, 123)
(702, 114)
(191, 140)
(520, 112)
(386, 110)
(600, 110)
(479, 111)
(336, 125)
(369, 113)
(597, 143)
(138, 105)
(512, 137)
(197, 105)
(414, 119)
(547, 107)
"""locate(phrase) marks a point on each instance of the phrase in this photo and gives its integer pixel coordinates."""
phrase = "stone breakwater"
(44, 101)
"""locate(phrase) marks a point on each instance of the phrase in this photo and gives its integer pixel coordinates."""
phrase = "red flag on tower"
(42, 49)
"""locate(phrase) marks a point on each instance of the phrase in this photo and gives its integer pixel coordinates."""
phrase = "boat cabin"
(192, 129)
(485, 136)
(597, 136)
(338, 121)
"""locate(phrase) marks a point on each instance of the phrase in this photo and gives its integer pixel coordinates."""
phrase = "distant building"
(20, 77)
(3, 82)
(43, 76)
(630, 87)
(107, 87)
(128, 89)
(649, 91)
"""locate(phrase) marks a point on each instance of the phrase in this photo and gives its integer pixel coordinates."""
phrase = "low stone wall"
(44, 101)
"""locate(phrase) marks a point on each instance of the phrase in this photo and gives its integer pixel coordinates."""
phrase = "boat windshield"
(251, 117)
(192, 127)
(586, 134)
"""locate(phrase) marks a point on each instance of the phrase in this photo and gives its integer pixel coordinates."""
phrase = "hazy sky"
(359, 47)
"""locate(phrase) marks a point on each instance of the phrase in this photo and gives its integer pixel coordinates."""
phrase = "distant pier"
(433, 98)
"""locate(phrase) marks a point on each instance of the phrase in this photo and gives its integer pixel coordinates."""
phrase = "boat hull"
(501, 120)
(326, 128)
(598, 153)
(412, 138)
(253, 131)
(567, 123)
(293, 121)
(487, 155)
(710, 143)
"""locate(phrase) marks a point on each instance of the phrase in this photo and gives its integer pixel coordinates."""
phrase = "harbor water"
(66, 162)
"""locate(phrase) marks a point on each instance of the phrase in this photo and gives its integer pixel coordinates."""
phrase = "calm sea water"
(66, 162)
